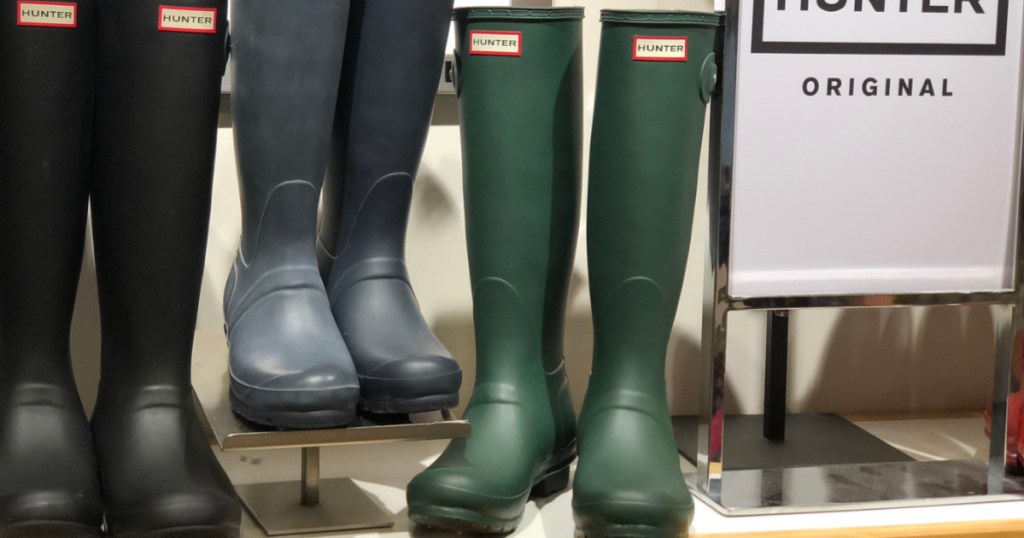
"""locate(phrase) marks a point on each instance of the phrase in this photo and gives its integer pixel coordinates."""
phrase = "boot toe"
(413, 384)
(660, 513)
(403, 367)
(52, 506)
(48, 471)
(457, 500)
(289, 365)
(196, 510)
(318, 396)
(323, 377)
(628, 477)
(299, 409)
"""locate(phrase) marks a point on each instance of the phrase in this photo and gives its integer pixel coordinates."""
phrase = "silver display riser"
(741, 492)
(309, 504)
(857, 487)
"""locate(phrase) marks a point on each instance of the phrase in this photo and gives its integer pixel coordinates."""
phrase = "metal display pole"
(838, 487)
(776, 370)
(711, 419)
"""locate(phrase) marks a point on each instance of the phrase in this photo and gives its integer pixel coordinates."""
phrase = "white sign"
(876, 146)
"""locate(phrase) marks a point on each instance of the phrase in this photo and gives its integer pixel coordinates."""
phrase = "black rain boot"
(393, 59)
(49, 483)
(290, 367)
(157, 95)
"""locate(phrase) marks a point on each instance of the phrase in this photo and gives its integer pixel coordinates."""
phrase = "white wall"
(852, 361)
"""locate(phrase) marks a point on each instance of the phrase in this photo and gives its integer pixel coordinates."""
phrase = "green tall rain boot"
(657, 72)
(519, 79)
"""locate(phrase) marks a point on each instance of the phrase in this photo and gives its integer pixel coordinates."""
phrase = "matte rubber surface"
(646, 144)
(522, 188)
(462, 520)
(45, 529)
(628, 531)
(393, 54)
(185, 532)
(48, 470)
(553, 480)
(157, 97)
(297, 420)
(410, 405)
(287, 357)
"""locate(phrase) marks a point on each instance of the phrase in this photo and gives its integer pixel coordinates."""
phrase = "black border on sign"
(760, 46)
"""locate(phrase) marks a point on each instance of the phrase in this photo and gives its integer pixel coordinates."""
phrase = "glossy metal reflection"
(345, 506)
(716, 305)
(859, 487)
(743, 492)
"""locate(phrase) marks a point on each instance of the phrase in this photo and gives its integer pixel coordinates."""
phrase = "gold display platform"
(307, 505)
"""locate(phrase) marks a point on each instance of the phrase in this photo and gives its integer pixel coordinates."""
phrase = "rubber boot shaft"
(521, 139)
(157, 97)
(393, 54)
(50, 477)
(653, 79)
(290, 366)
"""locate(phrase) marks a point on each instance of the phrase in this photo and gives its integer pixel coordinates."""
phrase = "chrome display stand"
(836, 487)
(308, 505)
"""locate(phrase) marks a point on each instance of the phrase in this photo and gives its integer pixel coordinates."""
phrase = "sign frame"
(711, 480)
(762, 46)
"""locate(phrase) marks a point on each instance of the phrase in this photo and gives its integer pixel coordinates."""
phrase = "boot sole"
(184, 532)
(628, 531)
(46, 529)
(463, 521)
(407, 406)
(555, 480)
(293, 420)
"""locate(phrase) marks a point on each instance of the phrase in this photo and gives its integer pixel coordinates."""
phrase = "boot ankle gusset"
(278, 255)
(279, 280)
(285, 226)
(370, 269)
(375, 229)
(560, 394)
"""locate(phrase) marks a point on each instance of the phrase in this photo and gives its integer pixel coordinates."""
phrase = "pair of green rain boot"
(519, 80)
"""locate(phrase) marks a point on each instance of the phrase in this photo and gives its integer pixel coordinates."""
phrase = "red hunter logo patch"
(661, 49)
(48, 14)
(495, 43)
(193, 20)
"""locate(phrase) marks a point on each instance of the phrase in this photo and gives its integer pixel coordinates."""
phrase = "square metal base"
(812, 440)
(857, 487)
(343, 506)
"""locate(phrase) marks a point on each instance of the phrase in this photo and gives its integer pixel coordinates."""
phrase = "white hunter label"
(661, 49)
(50, 14)
(188, 19)
(496, 43)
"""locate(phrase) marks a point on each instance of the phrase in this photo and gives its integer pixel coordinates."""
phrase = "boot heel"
(551, 484)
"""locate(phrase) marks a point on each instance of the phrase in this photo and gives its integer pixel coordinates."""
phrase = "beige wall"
(841, 361)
